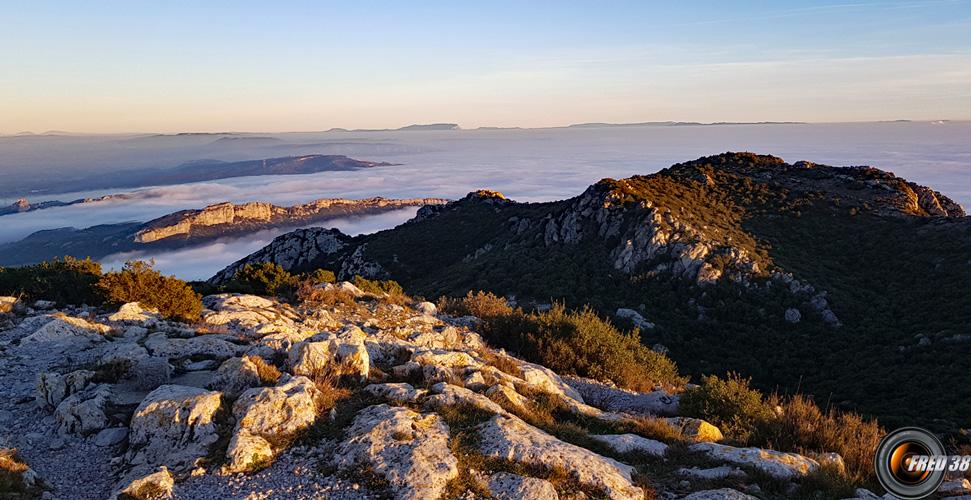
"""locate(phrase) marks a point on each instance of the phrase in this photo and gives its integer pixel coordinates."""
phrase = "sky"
(175, 66)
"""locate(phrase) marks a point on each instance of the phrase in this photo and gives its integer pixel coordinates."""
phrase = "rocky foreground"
(367, 398)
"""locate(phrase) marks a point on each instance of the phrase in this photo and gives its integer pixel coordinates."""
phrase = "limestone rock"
(506, 486)
(696, 429)
(397, 392)
(774, 463)
(426, 308)
(335, 356)
(248, 315)
(635, 318)
(505, 395)
(711, 474)
(722, 494)
(174, 425)
(84, 412)
(269, 414)
(408, 449)
(235, 375)
(52, 388)
(133, 312)
(793, 315)
(157, 484)
(206, 345)
(632, 443)
(66, 331)
(614, 399)
(510, 438)
(7, 303)
(446, 394)
(111, 436)
(545, 379)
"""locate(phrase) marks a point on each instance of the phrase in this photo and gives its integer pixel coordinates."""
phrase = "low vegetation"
(12, 469)
(793, 424)
(569, 342)
(66, 281)
(139, 282)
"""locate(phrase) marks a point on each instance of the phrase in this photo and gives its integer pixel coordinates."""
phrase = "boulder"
(399, 393)
(507, 396)
(777, 464)
(209, 346)
(52, 388)
(335, 356)
(111, 436)
(408, 449)
(248, 315)
(635, 318)
(156, 484)
(632, 443)
(83, 412)
(711, 474)
(695, 429)
(722, 494)
(150, 372)
(546, 380)
(66, 331)
(268, 417)
(793, 315)
(507, 486)
(452, 395)
(133, 312)
(426, 308)
(510, 438)
(175, 426)
(234, 376)
(831, 460)
(610, 398)
(445, 358)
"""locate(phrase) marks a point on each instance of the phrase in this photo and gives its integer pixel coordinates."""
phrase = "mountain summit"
(800, 275)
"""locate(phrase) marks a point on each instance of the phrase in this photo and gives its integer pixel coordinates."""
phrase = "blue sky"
(107, 66)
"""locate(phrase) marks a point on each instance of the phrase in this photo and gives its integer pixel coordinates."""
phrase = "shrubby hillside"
(808, 278)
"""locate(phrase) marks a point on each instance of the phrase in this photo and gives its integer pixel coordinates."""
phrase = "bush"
(264, 278)
(730, 404)
(484, 305)
(67, 281)
(138, 282)
(318, 277)
(378, 287)
(268, 373)
(803, 427)
(581, 342)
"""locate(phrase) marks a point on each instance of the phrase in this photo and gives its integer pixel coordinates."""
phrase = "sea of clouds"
(527, 165)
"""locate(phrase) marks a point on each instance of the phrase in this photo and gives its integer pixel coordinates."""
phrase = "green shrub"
(318, 277)
(264, 278)
(138, 282)
(581, 342)
(378, 287)
(67, 281)
(484, 305)
(738, 410)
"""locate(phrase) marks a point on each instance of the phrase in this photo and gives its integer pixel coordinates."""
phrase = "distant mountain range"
(841, 282)
(188, 228)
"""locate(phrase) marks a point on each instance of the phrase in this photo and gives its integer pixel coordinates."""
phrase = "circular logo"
(906, 465)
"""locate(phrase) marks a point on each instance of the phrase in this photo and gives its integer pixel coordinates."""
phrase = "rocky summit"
(371, 396)
(799, 274)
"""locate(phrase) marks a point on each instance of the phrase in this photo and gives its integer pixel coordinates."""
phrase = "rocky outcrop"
(509, 438)
(269, 415)
(774, 463)
(408, 449)
(174, 426)
(292, 250)
(264, 215)
(506, 486)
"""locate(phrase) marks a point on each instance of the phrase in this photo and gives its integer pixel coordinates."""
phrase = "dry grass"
(501, 361)
(480, 304)
(12, 468)
(804, 427)
(308, 294)
(267, 372)
(331, 392)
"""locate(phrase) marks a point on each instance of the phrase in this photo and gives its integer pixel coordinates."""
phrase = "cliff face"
(186, 222)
